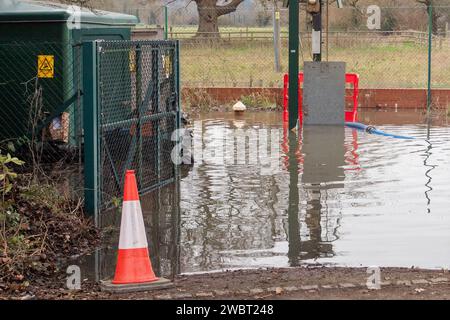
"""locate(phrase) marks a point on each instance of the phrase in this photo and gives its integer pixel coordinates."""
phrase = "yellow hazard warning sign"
(46, 66)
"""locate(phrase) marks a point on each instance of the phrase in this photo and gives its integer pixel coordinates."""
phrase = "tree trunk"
(208, 26)
(208, 14)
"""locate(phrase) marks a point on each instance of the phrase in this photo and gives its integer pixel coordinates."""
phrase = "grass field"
(225, 29)
(380, 65)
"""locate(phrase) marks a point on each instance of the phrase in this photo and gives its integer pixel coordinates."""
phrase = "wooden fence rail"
(417, 37)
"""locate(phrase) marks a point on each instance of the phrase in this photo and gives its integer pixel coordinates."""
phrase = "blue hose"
(373, 130)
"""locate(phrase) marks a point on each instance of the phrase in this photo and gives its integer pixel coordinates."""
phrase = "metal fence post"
(430, 43)
(139, 123)
(91, 128)
(166, 23)
(276, 37)
(293, 63)
(178, 92)
(176, 219)
(156, 53)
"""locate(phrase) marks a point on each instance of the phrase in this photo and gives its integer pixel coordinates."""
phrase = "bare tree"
(209, 12)
(357, 13)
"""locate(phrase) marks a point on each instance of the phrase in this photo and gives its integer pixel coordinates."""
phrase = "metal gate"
(131, 109)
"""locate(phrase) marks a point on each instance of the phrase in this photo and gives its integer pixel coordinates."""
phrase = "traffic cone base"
(159, 284)
(133, 267)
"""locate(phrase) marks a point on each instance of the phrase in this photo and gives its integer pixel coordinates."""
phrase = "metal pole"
(91, 129)
(156, 68)
(276, 37)
(430, 43)
(293, 63)
(317, 34)
(328, 28)
(139, 125)
(166, 22)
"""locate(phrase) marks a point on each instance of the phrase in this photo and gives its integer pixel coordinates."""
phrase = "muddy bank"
(289, 283)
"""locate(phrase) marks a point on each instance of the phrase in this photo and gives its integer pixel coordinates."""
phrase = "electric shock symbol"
(46, 66)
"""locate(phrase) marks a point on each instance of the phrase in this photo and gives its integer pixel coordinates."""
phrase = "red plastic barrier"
(350, 116)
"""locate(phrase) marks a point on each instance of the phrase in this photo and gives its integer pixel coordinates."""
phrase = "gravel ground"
(288, 283)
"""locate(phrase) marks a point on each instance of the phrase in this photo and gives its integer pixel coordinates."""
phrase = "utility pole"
(314, 7)
(293, 61)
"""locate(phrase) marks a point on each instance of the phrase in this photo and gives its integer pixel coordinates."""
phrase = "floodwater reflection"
(341, 197)
(428, 154)
(323, 170)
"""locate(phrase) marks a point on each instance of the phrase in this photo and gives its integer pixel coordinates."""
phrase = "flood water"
(341, 197)
(362, 200)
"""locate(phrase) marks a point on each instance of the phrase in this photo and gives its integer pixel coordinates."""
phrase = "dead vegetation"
(42, 222)
(41, 227)
(198, 100)
(261, 101)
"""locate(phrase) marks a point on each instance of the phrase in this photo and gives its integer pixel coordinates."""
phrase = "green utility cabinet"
(29, 29)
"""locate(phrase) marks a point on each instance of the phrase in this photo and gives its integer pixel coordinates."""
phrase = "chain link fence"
(40, 108)
(253, 51)
(139, 112)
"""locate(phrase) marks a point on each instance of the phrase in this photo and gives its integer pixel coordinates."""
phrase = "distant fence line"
(241, 58)
(417, 37)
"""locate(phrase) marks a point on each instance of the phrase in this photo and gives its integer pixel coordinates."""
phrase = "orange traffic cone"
(133, 261)
(134, 268)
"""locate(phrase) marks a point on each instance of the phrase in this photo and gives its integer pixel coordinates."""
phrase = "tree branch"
(228, 8)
